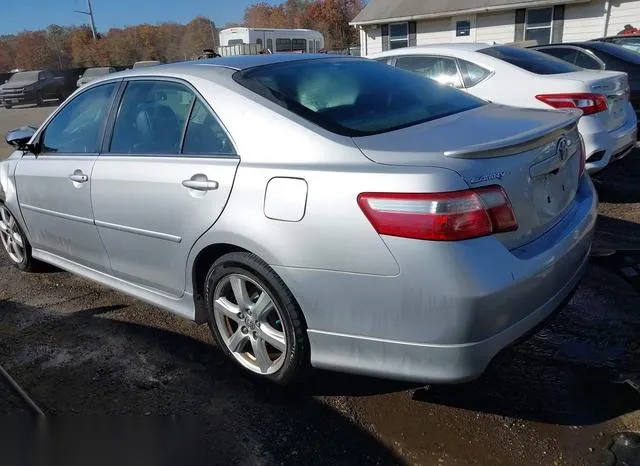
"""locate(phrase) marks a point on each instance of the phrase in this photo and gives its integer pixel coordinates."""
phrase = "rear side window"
(353, 97)
(472, 74)
(151, 118)
(530, 60)
(204, 134)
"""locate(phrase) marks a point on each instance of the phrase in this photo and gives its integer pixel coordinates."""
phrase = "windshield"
(25, 76)
(354, 97)
(530, 60)
(93, 72)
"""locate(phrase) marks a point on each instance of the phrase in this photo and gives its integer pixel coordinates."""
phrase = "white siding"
(436, 31)
(623, 12)
(370, 40)
(583, 21)
(499, 27)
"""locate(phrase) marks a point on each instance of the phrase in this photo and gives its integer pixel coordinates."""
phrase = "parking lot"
(563, 396)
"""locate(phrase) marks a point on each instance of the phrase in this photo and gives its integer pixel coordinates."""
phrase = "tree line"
(62, 47)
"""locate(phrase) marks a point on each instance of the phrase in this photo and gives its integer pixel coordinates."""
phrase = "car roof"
(462, 47)
(240, 62)
(217, 69)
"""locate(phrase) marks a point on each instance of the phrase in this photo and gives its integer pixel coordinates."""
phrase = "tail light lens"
(451, 216)
(588, 103)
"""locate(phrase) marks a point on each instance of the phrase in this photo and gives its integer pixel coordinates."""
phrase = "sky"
(39, 14)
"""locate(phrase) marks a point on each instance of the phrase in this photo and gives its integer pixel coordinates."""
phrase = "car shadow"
(618, 183)
(166, 397)
(616, 234)
(572, 371)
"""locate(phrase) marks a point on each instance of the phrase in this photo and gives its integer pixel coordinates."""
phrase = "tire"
(9, 228)
(60, 97)
(7, 106)
(39, 101)
(285, 319)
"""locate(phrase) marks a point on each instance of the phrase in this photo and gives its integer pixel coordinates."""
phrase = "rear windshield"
(25, 76)
(619, 51)
(355, 97)
(530, 60)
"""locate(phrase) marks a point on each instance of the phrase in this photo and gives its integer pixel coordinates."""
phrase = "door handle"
(79, 177)
(200, 184)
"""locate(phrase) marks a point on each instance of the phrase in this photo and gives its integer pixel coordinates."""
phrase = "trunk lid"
(518, 149)
(612, 84)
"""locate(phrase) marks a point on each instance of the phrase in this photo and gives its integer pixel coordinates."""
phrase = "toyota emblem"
(562, 149)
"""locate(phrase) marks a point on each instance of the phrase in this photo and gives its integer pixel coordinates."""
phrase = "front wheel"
(255, 319)
(14, 241)
(7, 106)
(39, 101)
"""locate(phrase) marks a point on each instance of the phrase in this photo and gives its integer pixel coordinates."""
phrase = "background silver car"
(313, 210)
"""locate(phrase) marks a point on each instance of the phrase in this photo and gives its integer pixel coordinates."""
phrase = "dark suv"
(28, 87)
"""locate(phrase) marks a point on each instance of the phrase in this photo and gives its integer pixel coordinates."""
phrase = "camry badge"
(562, 149)
(487, 177)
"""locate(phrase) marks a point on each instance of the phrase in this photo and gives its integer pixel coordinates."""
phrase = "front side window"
(472, 74)
(353, 97)
(204, 134)
(530, 60)
(151, 118)
(441, 69)
(398, 35)
(77, 126)
(283, 45)
(538, 25)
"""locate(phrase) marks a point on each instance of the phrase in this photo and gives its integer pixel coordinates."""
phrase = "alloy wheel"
(250, 324)
(11, 236)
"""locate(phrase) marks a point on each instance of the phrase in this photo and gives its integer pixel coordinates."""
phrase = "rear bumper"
(453, 306)
(604, 147)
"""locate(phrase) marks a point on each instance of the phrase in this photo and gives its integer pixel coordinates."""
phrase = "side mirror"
(20, 137)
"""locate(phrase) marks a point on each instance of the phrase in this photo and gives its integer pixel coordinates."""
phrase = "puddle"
(625, 446)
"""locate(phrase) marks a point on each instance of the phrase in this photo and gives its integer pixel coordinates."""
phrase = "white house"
(389, 24)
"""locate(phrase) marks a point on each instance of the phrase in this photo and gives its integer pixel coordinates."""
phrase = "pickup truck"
(28, 87)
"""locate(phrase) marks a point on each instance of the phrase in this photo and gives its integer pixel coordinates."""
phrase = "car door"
(442, 69)
(162, 180)
(54, 185)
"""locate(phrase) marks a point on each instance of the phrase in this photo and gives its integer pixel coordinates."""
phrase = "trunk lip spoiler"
(520, 142)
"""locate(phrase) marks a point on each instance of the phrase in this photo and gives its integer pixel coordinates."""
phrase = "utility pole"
(90, 15)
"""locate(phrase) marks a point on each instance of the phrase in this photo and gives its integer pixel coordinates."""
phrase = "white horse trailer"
(276, 40)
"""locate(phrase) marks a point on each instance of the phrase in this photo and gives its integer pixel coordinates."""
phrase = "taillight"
(451, 216)
(583, 157)
(588, 103)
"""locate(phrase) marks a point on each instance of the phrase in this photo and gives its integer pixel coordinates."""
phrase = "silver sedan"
(317, 211)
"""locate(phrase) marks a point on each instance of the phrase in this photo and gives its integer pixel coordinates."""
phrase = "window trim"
(110, 126)
(527, 27)
(601, 63)
(398, 39)
(103, 130)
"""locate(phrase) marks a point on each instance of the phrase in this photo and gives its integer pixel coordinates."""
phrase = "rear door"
(162, 180)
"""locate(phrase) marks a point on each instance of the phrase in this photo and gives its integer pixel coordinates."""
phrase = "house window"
(538, 25)
(463, 28)
(398, 35)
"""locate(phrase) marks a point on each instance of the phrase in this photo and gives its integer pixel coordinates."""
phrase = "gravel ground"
(109, 371)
